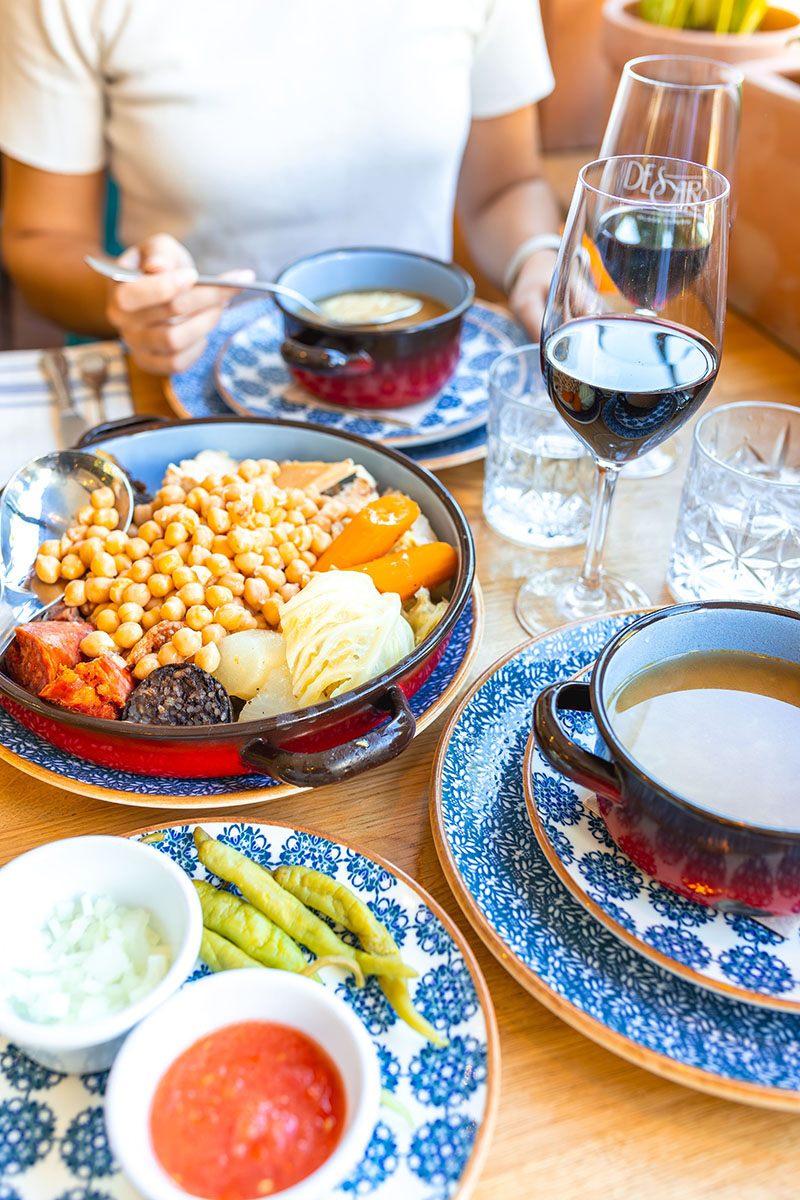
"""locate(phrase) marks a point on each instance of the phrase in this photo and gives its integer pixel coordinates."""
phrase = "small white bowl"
(211, 1003)
(129, 873)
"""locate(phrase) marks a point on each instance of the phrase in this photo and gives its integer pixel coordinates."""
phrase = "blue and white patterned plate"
(734, 955)
(254, 380)
(35, 756)
(545, 938)
(194, 393)
(434, 1128)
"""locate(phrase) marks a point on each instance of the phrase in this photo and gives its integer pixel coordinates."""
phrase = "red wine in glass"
(624, 383)
(652, 256)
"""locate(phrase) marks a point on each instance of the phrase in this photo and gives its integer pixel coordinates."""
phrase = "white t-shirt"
(258, 131)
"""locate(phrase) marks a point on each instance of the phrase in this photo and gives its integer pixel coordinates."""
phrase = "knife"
(72, 425)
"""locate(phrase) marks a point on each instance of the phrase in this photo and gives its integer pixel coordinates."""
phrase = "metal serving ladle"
(112, 270)
(40, 503)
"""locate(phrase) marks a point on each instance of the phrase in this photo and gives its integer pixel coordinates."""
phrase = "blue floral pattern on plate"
(35, 750)
(700, 943)
(502, 878)
(195, 394)
(253, 378)
(52, 1137)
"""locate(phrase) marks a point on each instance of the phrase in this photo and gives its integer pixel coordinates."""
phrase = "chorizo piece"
(97, 688)
(41, 648)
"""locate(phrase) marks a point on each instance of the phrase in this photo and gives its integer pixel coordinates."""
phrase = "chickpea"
(213, 633)
(103, 564)
(72, 567)
(261, 621)
(136, 593)
(288, 551)
(233, 580)
(107, 517)
(241, 540)
(256, 592)
(167, 655)
(218, 520)
(142, 513)
(85, 515)
(159, 585)
(207, 657)
(168, 562)
(98, 589)
(295, 517)
(297, 572)
(51, 548)
(203, 537)
(159, 546)
(117, 590)
(97, 643)
(249, 469)
(89, 548)
(107, 621)
(229, 616)
(116, 542)
(203, 574)
(272, 576)
(221, 545)
(97, 531)
(218, 565)
(309, 558)
(184, 550)
(123, 563)
(171, 494)
(149, 531)
(187, 641)
(198, 616)
(141, 570)
(288, 590)
(192, 593)
(145, 666)
(175, 533)
(173, 609)
(271, 612)
(75, 593)
(151, 617)
(281, 531)
(128, 634)
(196, 497)
(183, 575)
(102, 497)
(271, 558)
(320, 540)
(301, 537)
(247, 563)
(129, 613)
(198, 555)
(137, 548)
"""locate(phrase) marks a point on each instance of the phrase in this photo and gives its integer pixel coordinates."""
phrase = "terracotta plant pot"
(764, 271)
(626, 35)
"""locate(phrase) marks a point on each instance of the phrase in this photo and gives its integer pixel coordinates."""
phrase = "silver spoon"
(93, 369)
(112, 270)
(39, 502)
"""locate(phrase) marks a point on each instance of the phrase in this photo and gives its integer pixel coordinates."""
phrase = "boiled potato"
(276, 696)
(247, 658)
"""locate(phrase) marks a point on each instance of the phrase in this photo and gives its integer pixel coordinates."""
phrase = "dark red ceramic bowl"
(318, 745)
(747, 867)
(374, 366)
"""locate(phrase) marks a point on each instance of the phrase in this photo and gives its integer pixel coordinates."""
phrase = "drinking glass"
(681, 107)
(631, 340)
(538, 476)
(738, 531)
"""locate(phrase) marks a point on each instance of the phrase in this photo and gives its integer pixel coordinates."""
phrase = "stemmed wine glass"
(681, 107)
(631, 340)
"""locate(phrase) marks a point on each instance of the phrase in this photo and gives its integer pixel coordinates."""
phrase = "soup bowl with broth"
(374, 366)
(697, 763)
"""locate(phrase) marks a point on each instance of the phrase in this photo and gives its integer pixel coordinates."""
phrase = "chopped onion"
(93, 958)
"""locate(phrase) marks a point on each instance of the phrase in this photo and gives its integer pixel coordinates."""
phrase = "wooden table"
(574, 1120)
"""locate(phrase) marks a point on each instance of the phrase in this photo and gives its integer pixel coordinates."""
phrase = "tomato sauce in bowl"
(248, 1111)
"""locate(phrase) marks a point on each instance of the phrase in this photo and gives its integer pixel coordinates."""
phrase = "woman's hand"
(529, 294)
(163, 318)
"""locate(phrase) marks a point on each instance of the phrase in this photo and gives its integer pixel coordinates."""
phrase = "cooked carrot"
(410, 570)
(372, 532)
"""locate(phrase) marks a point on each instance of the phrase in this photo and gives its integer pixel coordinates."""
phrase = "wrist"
(532, 245)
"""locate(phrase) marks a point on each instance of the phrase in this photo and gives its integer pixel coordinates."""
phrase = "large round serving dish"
(316, 745)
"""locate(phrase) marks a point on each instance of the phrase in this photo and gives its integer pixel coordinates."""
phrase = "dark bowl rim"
(303, 720)
(600, 713)
(380, 331)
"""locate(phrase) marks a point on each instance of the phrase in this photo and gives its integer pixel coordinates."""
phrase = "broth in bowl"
(719, 728)
(367, 305)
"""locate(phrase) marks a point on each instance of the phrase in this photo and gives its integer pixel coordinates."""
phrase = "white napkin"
(28, 413)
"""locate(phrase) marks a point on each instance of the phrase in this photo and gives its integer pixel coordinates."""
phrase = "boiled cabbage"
(340, 632)
(246, 660)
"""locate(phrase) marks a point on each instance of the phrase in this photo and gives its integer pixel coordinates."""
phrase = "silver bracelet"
(539, 241)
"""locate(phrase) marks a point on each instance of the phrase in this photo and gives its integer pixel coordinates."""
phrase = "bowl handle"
(554, 743)
(339, 762)
(324, 360)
